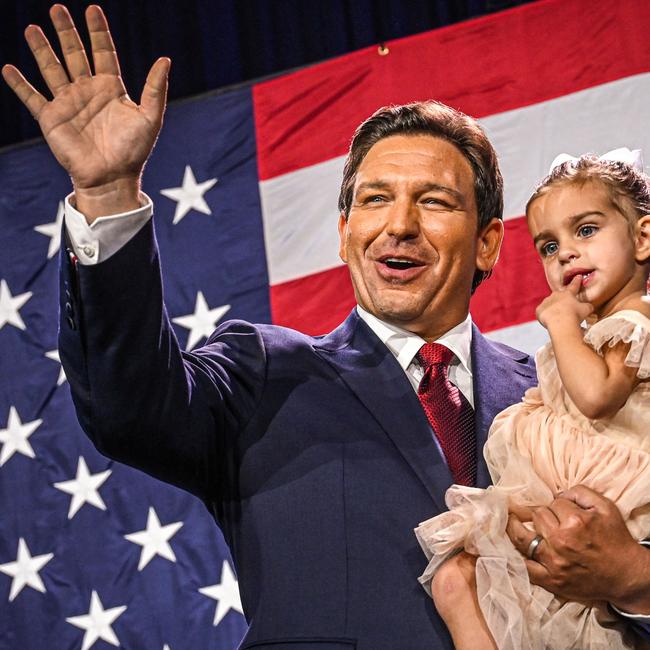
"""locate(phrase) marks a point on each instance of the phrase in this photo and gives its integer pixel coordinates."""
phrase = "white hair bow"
(632, 157)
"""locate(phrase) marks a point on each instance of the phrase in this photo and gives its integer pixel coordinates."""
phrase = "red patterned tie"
(450, 414)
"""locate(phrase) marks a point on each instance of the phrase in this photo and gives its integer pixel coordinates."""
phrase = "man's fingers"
(27, 94)
(585, 498)
(519, 535)
(53, 72)
(545, 520)
(71, 46)
(537, 573)
(154, 93)
(104, 54)
(523, 513)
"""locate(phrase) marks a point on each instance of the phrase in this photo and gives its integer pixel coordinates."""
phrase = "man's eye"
(375, 198)
(587, 231)
(435, 201)
(550, 248)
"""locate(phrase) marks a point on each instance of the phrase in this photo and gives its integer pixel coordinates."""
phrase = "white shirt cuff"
(96, 242)
(637, 618)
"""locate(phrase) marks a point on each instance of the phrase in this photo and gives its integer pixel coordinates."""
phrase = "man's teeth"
(394, 263)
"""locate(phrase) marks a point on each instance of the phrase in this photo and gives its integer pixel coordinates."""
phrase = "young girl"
(588, 421)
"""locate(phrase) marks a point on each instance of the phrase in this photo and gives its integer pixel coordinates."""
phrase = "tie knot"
(431, 354)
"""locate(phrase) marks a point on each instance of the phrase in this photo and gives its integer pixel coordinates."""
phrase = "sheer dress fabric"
(535, 449)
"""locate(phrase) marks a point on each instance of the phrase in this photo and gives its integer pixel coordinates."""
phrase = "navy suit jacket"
(313, 454)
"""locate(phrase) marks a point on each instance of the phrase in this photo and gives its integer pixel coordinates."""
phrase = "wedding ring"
(532, 547)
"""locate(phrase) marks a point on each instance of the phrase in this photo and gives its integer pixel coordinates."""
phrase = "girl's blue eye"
(587, 231)
(549, 248)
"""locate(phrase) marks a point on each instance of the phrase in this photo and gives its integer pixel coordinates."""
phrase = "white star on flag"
(54, 355)
(97, 622)
(154, 539)
(9, 306)
(53, 231)
(190, 195)
(15, 437)
(84, 488)
(202, 322)
(226, 593)
(24, 570)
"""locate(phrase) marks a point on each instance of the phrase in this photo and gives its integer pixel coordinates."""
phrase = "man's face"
(411, 241)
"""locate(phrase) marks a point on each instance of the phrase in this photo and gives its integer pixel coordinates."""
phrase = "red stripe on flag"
(517, 284)
(485, 66)
(317, 303)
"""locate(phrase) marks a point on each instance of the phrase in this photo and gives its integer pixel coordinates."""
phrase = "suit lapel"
(500, 376)
(368, 368)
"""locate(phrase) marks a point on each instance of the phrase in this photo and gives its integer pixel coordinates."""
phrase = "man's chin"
(398, 313)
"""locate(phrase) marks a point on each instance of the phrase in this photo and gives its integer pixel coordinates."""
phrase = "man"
(314, 455)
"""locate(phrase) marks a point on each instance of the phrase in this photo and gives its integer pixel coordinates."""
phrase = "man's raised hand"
(98, 134)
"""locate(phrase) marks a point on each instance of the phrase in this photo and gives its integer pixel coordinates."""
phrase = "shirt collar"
(404, 345)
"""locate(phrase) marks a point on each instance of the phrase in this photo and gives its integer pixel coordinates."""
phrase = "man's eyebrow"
(424, 187)
(373, 185)
(436, 187)
(572, 220)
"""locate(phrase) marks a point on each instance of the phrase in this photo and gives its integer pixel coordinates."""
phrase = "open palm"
(95, 131)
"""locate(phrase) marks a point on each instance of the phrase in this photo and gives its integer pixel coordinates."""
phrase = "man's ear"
(642, 243)
(489, 245)
(343, 226)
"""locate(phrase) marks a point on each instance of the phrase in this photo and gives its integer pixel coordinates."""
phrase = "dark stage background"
(219, 43)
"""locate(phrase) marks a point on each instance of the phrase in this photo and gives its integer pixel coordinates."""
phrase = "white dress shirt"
(404, 345)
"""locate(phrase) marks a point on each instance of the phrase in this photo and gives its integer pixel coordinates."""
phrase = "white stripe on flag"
(590, 121)
(299, 208)
(300, 216)
(528, 337)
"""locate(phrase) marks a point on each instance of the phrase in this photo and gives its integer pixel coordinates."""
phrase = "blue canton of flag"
(94, 554)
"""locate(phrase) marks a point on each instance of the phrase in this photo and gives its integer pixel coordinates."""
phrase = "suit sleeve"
(140, 399)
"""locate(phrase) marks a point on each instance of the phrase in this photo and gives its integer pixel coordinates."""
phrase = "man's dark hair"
(440, 121)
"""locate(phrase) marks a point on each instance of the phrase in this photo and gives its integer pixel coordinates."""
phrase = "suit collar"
(404, 345)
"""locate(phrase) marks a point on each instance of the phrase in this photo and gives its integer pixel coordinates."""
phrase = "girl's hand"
(564, 305)
(98, 134)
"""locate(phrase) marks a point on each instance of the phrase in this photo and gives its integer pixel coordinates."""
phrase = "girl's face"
(578, 231)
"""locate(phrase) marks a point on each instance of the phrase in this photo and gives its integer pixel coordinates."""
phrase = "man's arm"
(587, 552)
(141, 400)
(138, 396)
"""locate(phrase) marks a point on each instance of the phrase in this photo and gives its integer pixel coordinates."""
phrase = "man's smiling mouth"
(398, 269)
(400, 263)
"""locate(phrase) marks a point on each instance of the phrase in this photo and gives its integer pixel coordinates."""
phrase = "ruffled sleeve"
(625, 326)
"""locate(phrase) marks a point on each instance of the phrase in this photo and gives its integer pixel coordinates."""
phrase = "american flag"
(94, 554)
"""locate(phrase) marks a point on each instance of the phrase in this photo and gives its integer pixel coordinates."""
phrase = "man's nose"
(403, 220)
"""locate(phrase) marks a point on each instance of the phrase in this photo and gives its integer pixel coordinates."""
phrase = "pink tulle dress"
(535, 449)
